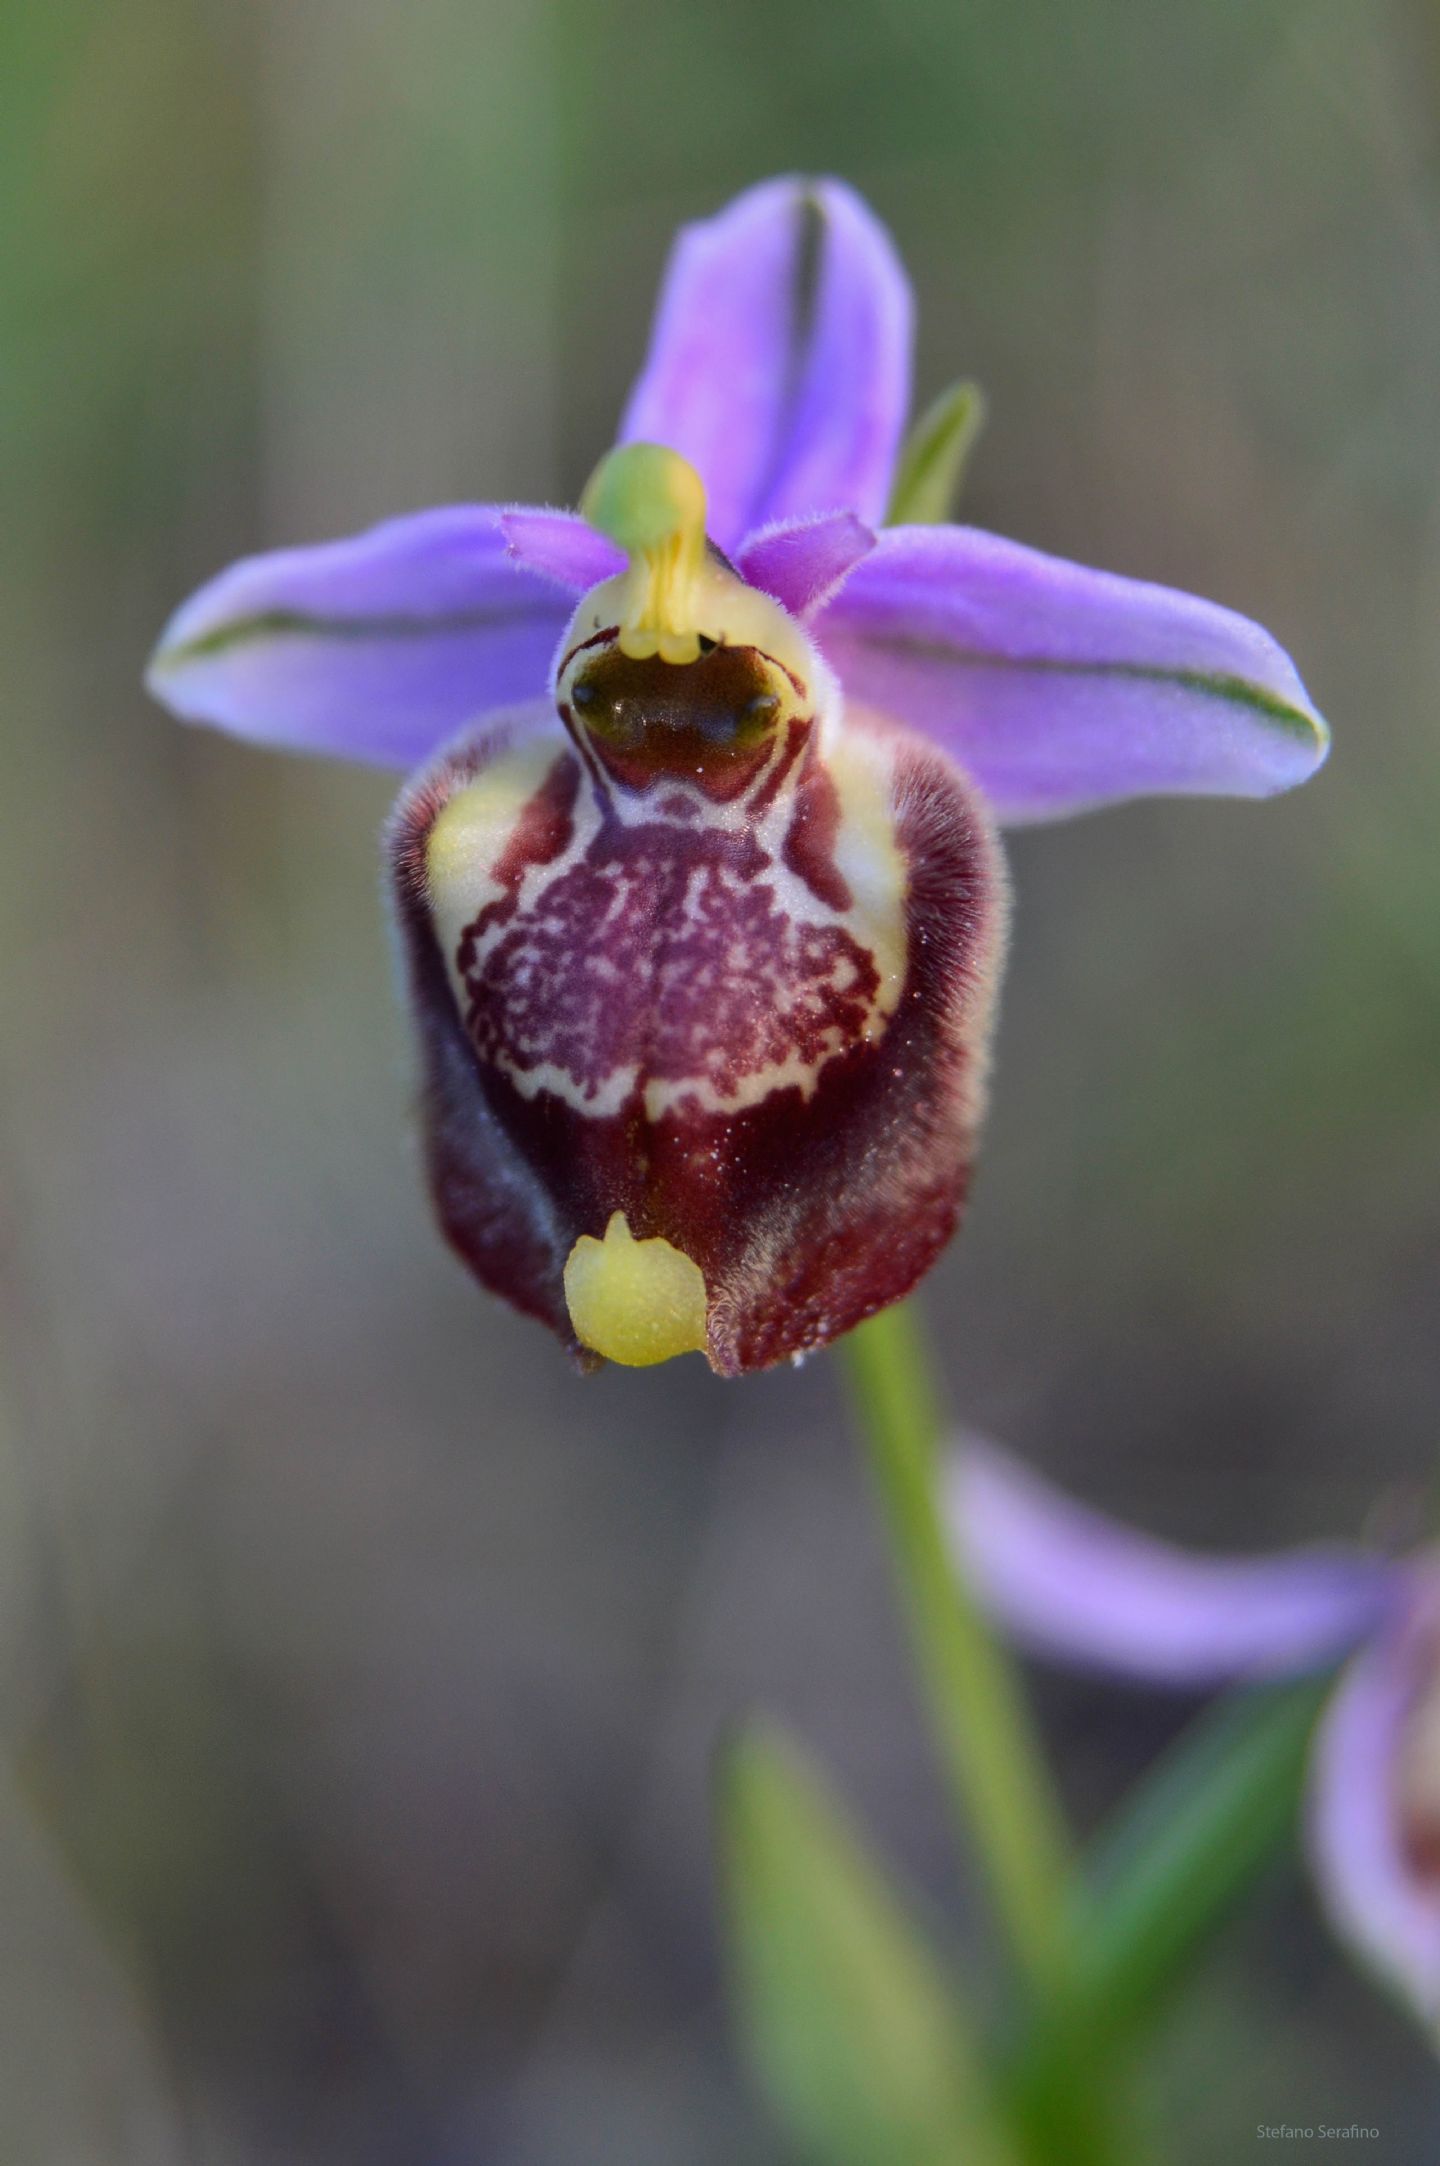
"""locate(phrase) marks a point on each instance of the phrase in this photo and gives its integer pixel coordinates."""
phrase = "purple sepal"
(1074, 1585)
(803, 563)
(375, 648)
(779, 363)
(1060, 688)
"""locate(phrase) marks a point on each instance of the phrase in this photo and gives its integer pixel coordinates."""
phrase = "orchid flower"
(1072, 1585)
(697, 877)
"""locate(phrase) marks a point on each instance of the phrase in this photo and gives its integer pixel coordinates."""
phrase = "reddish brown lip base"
(686, 1025)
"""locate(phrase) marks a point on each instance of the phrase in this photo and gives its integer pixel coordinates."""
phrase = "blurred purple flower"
(773, 1078)
(1073, 1585)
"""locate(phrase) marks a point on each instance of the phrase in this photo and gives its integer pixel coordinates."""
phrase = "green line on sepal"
(296, 624)
(1209, 684)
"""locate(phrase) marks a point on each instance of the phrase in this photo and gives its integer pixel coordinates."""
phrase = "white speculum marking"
(469, 840)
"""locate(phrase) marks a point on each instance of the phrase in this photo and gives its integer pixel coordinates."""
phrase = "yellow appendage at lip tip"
(652, 502)
(635, 1302)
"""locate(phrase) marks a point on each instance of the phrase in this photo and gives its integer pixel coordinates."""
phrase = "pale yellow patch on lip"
(635, 1302)
(869, 858)
(472, 829)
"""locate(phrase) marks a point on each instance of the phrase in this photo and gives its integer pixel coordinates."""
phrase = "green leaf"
(1165, 1876)
(1190, 1841)
(933, 462)
(846, 2014)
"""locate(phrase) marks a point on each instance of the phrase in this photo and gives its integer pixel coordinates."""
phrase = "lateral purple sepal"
(1061, 688)
(375, 648)
(779, 363)
(1074, 1585)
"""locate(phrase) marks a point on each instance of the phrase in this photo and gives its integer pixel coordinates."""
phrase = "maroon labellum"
(703, 954)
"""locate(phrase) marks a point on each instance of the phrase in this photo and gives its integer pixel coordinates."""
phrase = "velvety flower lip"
(1077, 1587)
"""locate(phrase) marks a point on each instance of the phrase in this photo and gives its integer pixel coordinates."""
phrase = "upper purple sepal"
(779, 364)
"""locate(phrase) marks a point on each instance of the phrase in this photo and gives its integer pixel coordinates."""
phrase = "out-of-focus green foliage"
(847, 2015)
(1188, 1844)
(934, 458)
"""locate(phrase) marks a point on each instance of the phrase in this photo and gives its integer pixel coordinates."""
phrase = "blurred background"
(360, 1667)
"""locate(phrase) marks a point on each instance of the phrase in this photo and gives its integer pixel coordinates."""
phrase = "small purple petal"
(377, 648)
(1380, 1900)
(803, 563)
(562, 546)
(1060, 688)
(1074, 1585)
(780, 359)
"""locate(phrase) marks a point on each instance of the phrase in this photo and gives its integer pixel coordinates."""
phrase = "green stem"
(992, 1759)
